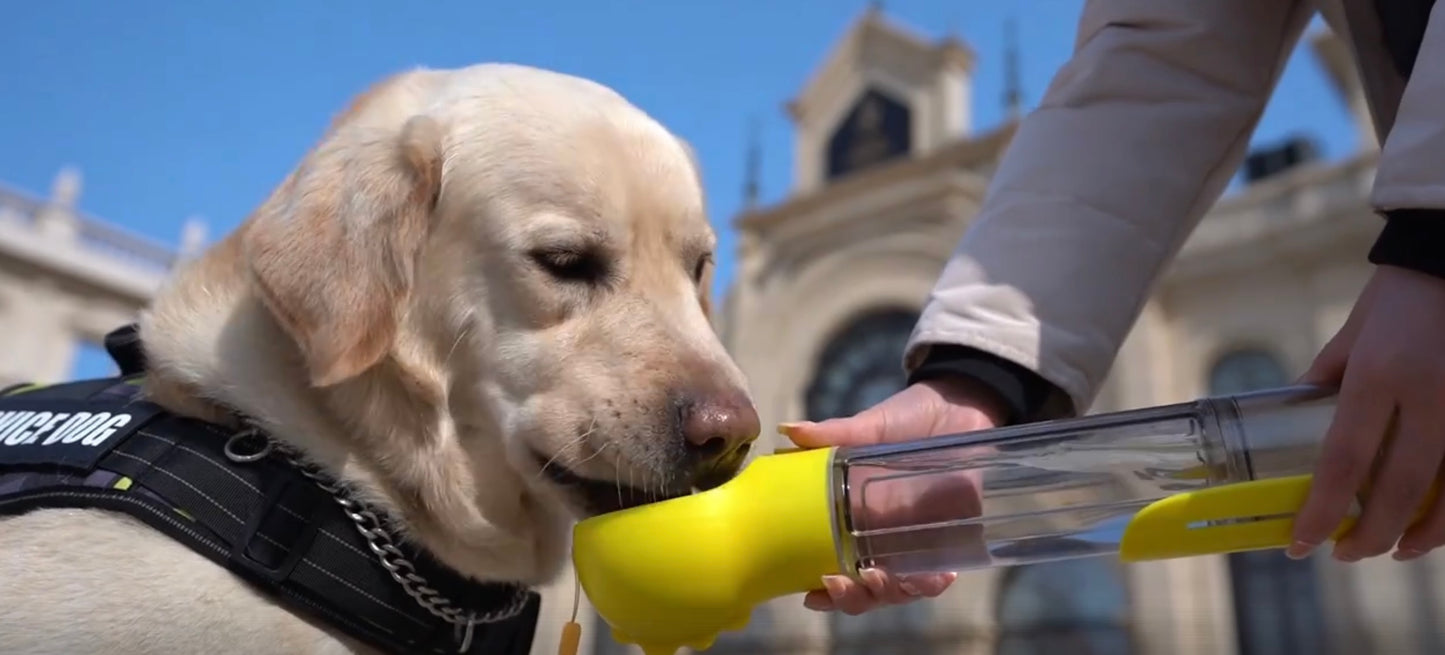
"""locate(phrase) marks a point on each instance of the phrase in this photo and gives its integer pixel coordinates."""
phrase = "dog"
(480, 300)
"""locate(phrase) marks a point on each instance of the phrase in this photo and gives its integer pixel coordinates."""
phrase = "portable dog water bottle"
(1215, 475)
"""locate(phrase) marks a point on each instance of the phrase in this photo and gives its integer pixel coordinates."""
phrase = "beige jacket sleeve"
(1137, 135)
(1411, 173)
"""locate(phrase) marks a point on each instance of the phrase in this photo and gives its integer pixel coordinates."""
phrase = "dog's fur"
(473, 270)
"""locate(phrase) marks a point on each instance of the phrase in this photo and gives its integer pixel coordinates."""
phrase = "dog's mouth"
(604, 496)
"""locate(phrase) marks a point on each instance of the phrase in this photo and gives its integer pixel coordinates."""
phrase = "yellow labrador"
(480, 300)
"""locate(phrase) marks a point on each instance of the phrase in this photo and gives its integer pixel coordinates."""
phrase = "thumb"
(866, 427)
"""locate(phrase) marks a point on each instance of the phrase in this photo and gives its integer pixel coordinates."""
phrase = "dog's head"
(528, 254)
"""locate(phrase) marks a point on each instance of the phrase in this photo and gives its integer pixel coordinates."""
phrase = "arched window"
(860, 366)
(1243, 370)
(1079, 607)
(1276, 599)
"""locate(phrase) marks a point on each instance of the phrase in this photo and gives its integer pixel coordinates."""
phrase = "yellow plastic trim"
(1263, 514)
(678, 573)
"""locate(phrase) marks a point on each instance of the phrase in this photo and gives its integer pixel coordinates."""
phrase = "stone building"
(67, 278)
(888, 173)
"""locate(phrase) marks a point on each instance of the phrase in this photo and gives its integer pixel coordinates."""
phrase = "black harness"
(239, 500)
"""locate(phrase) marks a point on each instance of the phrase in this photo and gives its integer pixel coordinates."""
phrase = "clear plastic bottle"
(1059, 489)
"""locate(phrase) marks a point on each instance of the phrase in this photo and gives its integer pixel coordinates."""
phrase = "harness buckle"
(290, 527)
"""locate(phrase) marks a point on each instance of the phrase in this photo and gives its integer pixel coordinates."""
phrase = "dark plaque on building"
(877, 129)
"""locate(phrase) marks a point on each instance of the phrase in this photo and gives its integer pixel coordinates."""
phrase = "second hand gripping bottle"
(1215, 475)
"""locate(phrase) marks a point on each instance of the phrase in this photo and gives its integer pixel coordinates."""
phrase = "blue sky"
(172, 109)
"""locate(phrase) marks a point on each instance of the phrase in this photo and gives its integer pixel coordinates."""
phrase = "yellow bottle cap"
(678, 573)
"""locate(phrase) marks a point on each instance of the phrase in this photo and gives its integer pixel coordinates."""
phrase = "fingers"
(875, 588)
(1328, 367)
(865, 428)
(869, 426)
(1429, 533)
(1400, 487)
(1346, 457)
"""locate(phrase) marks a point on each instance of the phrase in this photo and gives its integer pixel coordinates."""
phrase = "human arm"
(1388, 360)
(1136, 137)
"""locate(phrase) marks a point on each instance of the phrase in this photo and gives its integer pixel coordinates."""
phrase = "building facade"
(67, 278)
(889, 172)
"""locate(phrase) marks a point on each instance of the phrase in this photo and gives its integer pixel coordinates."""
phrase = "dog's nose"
(717, 428)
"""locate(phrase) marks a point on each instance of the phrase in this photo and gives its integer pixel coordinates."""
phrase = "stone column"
(42, 345)
(57, 220)
(193, 238)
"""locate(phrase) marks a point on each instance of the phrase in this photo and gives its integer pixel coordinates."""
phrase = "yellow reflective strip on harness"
(124, 484)
(28, 387)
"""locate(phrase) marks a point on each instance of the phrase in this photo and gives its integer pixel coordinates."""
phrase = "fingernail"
(874, 579)
(1299, 550)
(817, 603)
(909, 588)
(1345, 555)
(834, 585)
(789, 426)
(1406, 554)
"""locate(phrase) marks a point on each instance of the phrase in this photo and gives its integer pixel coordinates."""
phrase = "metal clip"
(465, 629)
(246, 458)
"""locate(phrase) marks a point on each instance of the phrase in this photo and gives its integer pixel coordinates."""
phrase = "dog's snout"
(718, 427)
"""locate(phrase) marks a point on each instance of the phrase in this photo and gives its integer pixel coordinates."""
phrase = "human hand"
(1389, 426)
(922, 410)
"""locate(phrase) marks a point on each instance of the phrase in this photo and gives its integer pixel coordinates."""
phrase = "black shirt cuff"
(1025, 395)
(1412, 239)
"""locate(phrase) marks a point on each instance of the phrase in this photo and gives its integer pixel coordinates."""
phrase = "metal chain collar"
(382, 545)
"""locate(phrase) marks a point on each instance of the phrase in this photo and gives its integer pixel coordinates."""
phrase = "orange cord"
(572, 630)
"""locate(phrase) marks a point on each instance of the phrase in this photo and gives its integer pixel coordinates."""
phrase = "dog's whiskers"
(594, 454)
(461, 334)
(577, 440)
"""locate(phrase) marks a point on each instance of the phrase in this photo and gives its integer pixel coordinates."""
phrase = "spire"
(753, 166)
(952, 33)
(1013, 91)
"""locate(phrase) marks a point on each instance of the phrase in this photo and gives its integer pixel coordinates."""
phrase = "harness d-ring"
(244, 458)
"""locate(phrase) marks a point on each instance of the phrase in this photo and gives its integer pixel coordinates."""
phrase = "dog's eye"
(701, 267)
(571, 265)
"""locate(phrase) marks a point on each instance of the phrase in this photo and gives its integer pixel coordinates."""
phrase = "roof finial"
(753, 166)
(1013, 85)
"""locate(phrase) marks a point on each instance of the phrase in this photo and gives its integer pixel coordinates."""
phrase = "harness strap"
(265, 520)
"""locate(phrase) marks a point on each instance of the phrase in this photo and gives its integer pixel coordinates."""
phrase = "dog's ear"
(333, 253)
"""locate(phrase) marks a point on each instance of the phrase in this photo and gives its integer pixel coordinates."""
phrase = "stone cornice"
(962, 154)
